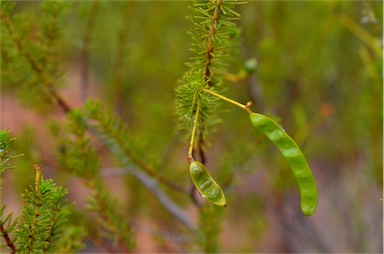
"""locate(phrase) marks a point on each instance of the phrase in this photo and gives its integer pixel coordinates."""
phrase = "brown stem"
(119, 58)
(210, 45)
(35, 66)
(192, 195)
(7, 239)
(104, 213)
(101, 244)
(84, 60)
(200, 145)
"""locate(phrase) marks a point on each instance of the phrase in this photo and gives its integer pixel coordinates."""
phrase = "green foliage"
(7, 226)
(44, 218)
(113, 133)
(5, 142)
(315, 65)
(77, 152)
(115, 226)
(33, 65)
(210, 224)
(213, 36)
(42, 226)
(80, 157)
(190, 99)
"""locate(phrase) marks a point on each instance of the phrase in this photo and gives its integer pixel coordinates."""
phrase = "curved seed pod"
(205, 184)
(294, 157)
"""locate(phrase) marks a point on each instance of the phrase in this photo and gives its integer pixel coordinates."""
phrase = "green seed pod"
(294, 157)
(205, 184)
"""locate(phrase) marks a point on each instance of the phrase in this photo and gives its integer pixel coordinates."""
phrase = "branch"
(115, 223)
(85, 50)
(212, 32)
(7, 239)
(153, 186)
(120, 54)
(35, 66)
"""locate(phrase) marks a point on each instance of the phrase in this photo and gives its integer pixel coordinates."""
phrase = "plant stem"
(84, 62)
(190, 158)
(245, 107)
(7, 239)
(210, 44)
(35, 66)
(37, 177)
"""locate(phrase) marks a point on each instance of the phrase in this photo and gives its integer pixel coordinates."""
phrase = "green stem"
(245, 107)
(190, 158)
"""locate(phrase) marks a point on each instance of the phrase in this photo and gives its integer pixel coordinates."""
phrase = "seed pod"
(205, 184)
(294, 157)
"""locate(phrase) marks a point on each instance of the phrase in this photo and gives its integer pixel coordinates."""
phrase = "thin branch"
(167, 203)
(35, 66)
(119, 57)
(8, 240)
(245, 107)
(105, 213)
(200, 145)
(84, 61)
(148, 170)
(101, 244)
(191, 144)
(151, 172)
(192, 195)
(210, 44)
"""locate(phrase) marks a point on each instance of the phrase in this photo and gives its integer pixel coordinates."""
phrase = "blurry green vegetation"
(319, 73)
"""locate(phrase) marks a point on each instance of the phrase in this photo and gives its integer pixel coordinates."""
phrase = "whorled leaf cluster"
(80, 157)
(190, 97)
(213, 34)
(43, 218)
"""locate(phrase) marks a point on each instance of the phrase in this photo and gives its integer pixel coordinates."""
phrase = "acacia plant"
(197, 104)
(47, 217)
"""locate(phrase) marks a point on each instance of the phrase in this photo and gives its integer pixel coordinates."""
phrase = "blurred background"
(318, 72)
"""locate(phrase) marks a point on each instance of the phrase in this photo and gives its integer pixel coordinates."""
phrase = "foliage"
(81, 158)
(37, 61)
(106, 76)
(43, 224)
(5, 142)
(43, 218)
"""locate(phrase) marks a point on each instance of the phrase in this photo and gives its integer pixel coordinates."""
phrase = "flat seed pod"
(205, 184)
(294, 157)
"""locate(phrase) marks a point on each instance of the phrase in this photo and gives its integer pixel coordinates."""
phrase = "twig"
(84, 61)
(35, 66)
(119, 58)
(168, 204)
(7, 239)
(210, 48)
(203, 158)
(245, 107)
(191, 144)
